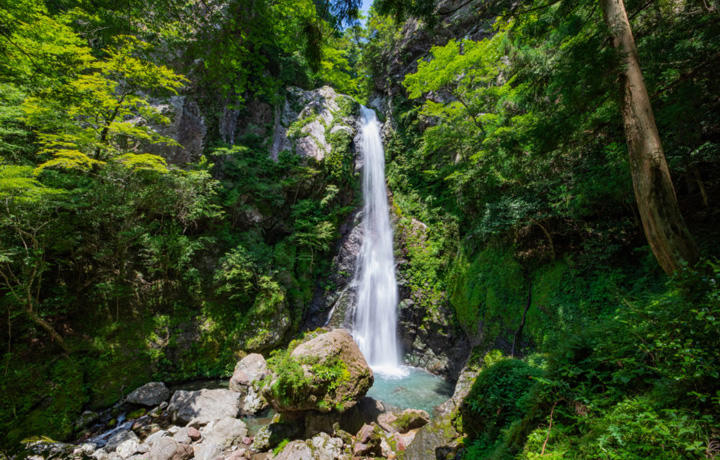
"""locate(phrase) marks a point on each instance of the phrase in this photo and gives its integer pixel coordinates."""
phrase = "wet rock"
(166, 448)
(337, 351)
(204, 406)
(150, 395)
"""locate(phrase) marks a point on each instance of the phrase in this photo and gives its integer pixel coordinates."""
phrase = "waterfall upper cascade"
(375, 325)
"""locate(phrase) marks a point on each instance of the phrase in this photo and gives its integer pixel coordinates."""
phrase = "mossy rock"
(323, 373)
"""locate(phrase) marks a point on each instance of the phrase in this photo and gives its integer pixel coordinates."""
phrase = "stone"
(367, 450)
(240, 454)
(204, 406)
(193, 434)
(85, 449)
(368, 441)
(365, 434)
(411, 419)
(386, 421)
(166, 448)
(438, 439)
(85, 419)
(329, 348)
(325, 447)
(187, 127)
(225, 432)
(295, 450)
(120, 437)
(150, 440)
(150, 395)
(127, 448)
(307, 119)
(272, 434)
(249, 373)
(49, 449)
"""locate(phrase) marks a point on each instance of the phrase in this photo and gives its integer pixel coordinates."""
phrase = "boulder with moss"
(325, 371)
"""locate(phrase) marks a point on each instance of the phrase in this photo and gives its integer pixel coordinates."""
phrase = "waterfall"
(375, 325)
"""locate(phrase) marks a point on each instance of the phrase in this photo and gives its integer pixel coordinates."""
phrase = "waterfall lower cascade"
(375, 325)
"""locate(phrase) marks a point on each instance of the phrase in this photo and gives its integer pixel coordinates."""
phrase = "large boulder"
(150, 395)
(247, 379)
(327, 372)
(204, 406)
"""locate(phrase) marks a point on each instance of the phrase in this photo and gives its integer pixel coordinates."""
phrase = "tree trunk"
(664, 227)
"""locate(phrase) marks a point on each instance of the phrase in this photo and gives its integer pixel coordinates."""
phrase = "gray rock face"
(246, 378)
(307, 119)
(463, 386)
(151, 394)
(224, 433)
(204, 406)
(187, 127)
(429, 335)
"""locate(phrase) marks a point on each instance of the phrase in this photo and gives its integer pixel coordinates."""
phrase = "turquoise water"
(418, 389)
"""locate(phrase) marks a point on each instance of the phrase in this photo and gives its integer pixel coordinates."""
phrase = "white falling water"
(376, 317)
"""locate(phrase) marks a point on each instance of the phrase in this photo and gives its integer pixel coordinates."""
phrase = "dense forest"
(553, 171)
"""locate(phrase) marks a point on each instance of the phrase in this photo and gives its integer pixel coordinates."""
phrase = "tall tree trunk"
(664, 227)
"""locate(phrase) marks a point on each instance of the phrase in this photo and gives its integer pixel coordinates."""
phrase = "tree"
(27, 215)
(664, 227)
(99, 110)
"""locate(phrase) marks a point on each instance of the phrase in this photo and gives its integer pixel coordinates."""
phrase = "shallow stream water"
(417, 389)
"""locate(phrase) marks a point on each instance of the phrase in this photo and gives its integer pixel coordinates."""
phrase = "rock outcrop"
(313, 123)
(326, 372)
(187, 127)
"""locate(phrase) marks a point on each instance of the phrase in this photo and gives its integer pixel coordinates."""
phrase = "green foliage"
(497, 398)
(488, 293)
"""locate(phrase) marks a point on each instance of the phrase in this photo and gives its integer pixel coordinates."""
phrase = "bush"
(497, 399)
